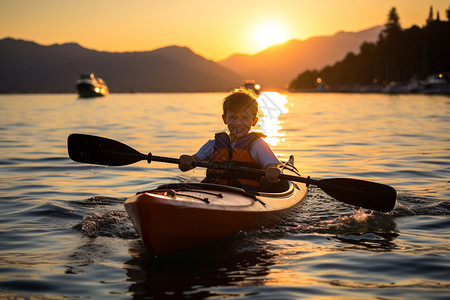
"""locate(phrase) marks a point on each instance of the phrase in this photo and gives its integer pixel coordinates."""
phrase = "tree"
(430, 16)
(392, 25)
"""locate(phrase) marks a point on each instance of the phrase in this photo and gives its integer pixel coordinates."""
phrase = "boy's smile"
(239, 123)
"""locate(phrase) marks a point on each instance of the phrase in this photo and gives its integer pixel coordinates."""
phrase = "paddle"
(103, 151)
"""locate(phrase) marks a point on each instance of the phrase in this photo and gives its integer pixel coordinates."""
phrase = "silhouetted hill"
(30, 67)
(276, 66)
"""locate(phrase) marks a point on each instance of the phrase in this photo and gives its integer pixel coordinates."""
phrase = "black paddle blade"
(101, 151)
(360, 193)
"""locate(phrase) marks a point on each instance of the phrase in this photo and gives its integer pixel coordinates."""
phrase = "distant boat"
(252, 85)
(89, 86)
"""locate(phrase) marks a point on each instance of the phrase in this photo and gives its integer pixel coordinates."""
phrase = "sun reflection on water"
(271, 106)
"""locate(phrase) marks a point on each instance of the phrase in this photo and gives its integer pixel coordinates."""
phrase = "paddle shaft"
(103, 151)
(150, 157)
(225, 166)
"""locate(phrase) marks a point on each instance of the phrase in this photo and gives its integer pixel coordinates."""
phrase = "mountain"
(276, 66)
(30, 67)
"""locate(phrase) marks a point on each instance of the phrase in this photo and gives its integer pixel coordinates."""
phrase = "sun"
(269, 34)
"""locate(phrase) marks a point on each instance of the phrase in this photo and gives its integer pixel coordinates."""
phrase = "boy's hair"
(240, 99)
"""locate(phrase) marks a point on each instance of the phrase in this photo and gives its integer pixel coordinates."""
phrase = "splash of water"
(110, 224)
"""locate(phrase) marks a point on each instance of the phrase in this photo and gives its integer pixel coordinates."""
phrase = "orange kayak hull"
(181, 217)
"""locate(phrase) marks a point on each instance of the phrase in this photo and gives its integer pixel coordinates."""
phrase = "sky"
(214, 29)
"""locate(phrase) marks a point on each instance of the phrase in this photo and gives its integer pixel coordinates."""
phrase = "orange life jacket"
(239, 156)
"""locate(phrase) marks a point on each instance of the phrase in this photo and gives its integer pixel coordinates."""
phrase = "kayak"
(180, 217)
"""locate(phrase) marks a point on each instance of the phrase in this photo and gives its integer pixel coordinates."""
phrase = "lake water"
(64, 232)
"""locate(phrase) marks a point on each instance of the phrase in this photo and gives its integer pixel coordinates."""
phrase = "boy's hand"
(272, 173)
(186, 162)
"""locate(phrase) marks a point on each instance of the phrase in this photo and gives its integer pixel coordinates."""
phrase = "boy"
(240, 147)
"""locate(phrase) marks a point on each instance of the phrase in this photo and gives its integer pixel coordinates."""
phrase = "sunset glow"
(269, 34)
(213, 29)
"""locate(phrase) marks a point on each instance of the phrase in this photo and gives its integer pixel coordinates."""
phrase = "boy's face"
(239, 123)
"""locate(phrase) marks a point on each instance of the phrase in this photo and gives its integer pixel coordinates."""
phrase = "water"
(64, 232)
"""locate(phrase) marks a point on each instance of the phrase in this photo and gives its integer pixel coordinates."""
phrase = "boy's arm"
(265, 157)
(262, 154)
